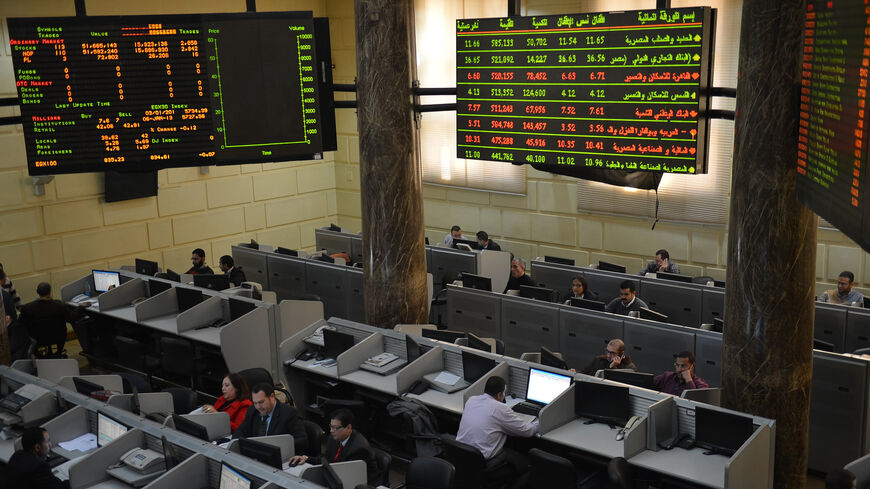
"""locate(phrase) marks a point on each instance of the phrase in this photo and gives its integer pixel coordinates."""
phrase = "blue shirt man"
(844, 293)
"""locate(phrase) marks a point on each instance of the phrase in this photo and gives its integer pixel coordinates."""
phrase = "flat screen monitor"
(212, 281)
(676, 277)
(536, 293)
(721, 432)
(630, 377)
(444, 335)
(718, 325)
(475, 366)
(471, 244)
(550, 359)
(170, 455)
(146, 267)
(646, 313)
(156, 286)
(239, 308)
(471, 281)
(601, 402)
(86, 387)
(335, 343)
(325, 258)
(233, 479)
(189, 427)
(610, 267)
(544, 386)
(559, 260)
(171, 275)
(254, 245)
(261, 452)
(105, 280)
(187, 298)
(324, 475)
(286, 251)
(721, 284)
(587, 304)
(334, 227)
(475, 342)
(412, 349)
(823, 345)
(108, 430)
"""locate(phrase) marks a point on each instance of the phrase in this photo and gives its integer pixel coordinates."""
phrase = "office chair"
(549, 470)
(383, 460)
(359, 409)
(256, 375)
(429, 473)
(178, 357)
(133, 354)
(620, 473)
(471, 468)
(183, 399)
(314, 434)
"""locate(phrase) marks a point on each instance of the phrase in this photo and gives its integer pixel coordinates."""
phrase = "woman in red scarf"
(235, 400)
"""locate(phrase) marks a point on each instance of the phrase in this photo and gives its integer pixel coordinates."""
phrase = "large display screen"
(832, 136)
(143, 92)
(616, 90)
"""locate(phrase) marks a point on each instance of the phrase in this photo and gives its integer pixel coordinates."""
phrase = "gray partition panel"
(333, 242)
(329, 282)
(680, 302)
(708, 357)
(449, 261)
(528, 325)
(356, 248)
(857, 330)
(253, 262)
(830, 325)
(839, 394)
(474, 311)
(356, 308)
(583, 334)
(652, 347)
(606, 284)
(287, 277)
(712, 304)
(556, 277)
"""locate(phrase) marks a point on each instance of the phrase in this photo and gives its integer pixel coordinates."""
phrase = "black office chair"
(549, 470)
(178, 357)
(256, 375)
(620, 473)
(133, 354)
(430, 473)
(383, 460)
(359, 409)
(183, 399)
(314, 434)
(471, 468)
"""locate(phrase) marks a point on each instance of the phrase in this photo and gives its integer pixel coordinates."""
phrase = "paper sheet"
(83, 443)
(447, 378)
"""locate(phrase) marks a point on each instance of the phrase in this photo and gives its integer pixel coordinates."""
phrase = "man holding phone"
(614, 358)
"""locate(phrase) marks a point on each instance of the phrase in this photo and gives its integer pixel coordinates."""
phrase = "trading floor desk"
(750, 467)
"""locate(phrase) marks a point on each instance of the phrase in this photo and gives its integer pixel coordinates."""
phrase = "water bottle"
(88, 289)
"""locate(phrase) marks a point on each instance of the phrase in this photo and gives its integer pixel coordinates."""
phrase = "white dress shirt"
(486, 424)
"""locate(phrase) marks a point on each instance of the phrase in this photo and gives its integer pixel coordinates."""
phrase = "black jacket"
(357, 448)
(26, 469)
(514, 283)
(237, 276)
(46, 320)
(285, 421)
(203, 270)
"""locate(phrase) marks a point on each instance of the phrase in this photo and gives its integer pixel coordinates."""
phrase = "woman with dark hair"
(234, 400)
(580, 289)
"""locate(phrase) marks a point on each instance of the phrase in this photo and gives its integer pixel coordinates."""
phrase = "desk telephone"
(15, 401)
(381, 359)
(144, 460)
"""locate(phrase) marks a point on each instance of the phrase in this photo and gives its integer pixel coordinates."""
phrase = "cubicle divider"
(680, 302)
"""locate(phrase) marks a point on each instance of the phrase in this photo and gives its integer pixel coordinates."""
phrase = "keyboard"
(529, 408)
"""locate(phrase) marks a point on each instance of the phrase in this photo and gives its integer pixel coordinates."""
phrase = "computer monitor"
(718, 325)
(146, 267)
(471, 281)
(286, 251)
(254, 245)
(550, 359)
(334, 227)
(239, 308)
(823, 345)
(187, 298)
(721, 432)
(721, 284)
(475, 342)
(559, 260)
(335, 343)
(444, 335)
(170, 456)
(232, 479)
(86, 387)
(475, 366)
(587, 304)
(155, 287)
(412, 349)
(646, 313)
(610, 267)
(603, 403)
(108, 429)
(212, 281)
(189, 427)
(104, 280)
(630, 377)
(171, 275)
(471, 244)
(543, 386)
(676, 277)
(536, 293)
(261, 452)
(324, 475)
(325, 258)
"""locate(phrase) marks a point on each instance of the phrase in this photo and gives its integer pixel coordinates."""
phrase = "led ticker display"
(618, 90)
(832, 136)
(139, 93)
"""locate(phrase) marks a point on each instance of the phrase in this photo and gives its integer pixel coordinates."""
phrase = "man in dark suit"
(345, 444)
(269, 417)
(228, 266)
(45, 318)
(28, 468)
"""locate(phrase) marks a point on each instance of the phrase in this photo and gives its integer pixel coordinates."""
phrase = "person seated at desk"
(6, 284)
(268, 417)
(484, 243)
(228, 266)
(627, 302)
(235, 400)
(518, 276)
(840, 479)
(345, 444)
(844, 294)
(197, 257)
(662, 263)
(614, 358)
(45, 318)
(28, 467)
(455, 233)
(580, 290)
(683, 377)
(486, 423)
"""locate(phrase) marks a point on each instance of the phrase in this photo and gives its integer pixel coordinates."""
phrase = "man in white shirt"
(455, 233)
(486, 423)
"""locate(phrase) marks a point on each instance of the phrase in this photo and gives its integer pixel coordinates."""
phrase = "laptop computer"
(542, 387)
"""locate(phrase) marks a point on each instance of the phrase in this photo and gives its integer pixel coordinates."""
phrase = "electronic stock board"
(612, 91)
(139, 93)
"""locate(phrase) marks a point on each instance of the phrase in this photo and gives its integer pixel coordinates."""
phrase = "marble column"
(767, 344)
(391, 185)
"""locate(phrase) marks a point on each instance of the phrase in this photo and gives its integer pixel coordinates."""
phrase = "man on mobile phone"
(614, 358)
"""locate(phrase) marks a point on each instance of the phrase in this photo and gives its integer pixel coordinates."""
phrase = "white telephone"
(144, 460)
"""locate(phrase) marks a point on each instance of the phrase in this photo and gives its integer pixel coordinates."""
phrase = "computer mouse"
(620, 435)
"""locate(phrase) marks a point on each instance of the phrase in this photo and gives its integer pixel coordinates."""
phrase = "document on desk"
(83, 443)
(447, 378)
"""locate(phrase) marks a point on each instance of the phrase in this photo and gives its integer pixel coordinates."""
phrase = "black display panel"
(832, 136)
(617, 90)
(136, 93)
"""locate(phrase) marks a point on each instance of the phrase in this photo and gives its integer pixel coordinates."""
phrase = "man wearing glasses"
(683, 377)
(614, 357)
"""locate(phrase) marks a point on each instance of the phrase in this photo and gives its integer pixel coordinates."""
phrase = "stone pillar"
(391, 186)
(767, 344)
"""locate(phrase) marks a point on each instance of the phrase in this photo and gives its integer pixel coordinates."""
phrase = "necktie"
(261, 427)
(337, 453)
